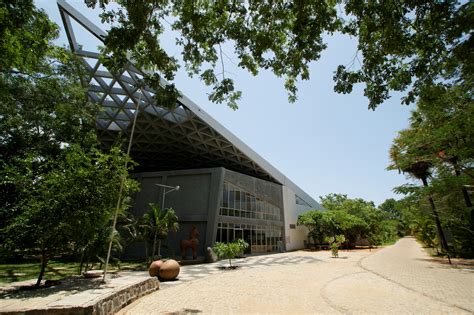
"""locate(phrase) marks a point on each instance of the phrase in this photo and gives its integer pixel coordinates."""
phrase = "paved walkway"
(408, 265)
(399, 279)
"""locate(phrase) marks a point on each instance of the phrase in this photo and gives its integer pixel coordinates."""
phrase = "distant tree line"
(356, 219)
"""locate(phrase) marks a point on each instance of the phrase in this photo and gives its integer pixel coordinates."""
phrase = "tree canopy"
(57, 188)
(438, 148)
(404, 46)
(355, 219)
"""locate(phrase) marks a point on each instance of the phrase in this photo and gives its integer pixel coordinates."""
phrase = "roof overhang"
(184, 137)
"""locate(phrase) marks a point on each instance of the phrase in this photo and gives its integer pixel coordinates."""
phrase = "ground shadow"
(443, 263)
(184, 311)
(69, 285)
(228, 267)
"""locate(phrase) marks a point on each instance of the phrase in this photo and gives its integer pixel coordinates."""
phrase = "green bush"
(229, 250)
(335, 242)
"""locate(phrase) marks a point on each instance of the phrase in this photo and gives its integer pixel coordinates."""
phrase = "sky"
(324, 142)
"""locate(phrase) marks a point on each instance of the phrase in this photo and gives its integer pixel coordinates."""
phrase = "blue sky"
(325, 142)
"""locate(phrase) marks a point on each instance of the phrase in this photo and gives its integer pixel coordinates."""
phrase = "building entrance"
(261, 238)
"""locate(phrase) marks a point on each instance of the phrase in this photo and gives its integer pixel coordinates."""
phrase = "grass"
(390, 242)
(55, 270)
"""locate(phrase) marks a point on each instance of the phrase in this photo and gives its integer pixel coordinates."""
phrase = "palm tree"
(411, 154)
(159, 222)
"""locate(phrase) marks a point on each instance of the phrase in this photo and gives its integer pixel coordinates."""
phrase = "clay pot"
(169, 270)
(155, 267)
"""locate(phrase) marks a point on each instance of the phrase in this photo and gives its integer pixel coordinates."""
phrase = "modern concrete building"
(226, 189)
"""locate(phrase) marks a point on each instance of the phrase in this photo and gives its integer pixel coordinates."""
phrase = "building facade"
(228, 191)
(224, 206)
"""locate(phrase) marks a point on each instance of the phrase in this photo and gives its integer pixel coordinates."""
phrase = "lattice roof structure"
(184, 137)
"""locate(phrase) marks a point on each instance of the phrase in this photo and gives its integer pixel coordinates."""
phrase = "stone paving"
(194, 272)
(408, 265)
(399, 279)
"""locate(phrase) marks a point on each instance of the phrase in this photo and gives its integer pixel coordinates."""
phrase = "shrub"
(335, 242)
(229, 250)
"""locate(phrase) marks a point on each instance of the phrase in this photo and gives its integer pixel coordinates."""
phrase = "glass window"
(237, 200)
(225, 196)
(219, 235)
(231, 197)
(224, 237)
(239, 203)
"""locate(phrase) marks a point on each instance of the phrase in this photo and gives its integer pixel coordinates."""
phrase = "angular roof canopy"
(185, 137)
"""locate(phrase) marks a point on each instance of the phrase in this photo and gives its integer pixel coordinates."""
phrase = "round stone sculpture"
(155, 267)
(169, 270)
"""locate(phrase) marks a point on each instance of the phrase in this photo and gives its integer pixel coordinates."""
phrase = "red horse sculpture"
(192, 243)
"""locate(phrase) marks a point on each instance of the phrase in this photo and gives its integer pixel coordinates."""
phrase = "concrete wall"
(195, 204)
(294, 238)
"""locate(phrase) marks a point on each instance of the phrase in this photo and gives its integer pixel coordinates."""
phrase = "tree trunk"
(146, 251)
(154, 246)
(88, 262)
(44, 263)
(82, 262)
(159, 248)
(441, 237)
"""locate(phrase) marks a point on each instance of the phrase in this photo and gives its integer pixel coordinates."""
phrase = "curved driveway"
(399, 279)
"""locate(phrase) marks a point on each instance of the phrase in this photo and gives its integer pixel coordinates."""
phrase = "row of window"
(249, 214)
(261, 238)
(239, 203)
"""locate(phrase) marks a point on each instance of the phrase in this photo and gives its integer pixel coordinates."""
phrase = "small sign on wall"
(293, 226)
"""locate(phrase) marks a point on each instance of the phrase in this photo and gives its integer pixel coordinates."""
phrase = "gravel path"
(395, 280)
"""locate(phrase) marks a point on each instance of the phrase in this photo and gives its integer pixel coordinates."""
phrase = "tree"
(286, 36)
(389, 207)
(57, 188)
(25, 35)
(355, 219)
(437, 145)
(420, 170)
(360, 219)
(314, 221)
(335, 241)
(159, 222)
(229, 250)
(67, 206)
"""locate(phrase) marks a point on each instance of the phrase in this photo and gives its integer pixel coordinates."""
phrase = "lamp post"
(122, 181)
(171, 188)
(166, 189)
